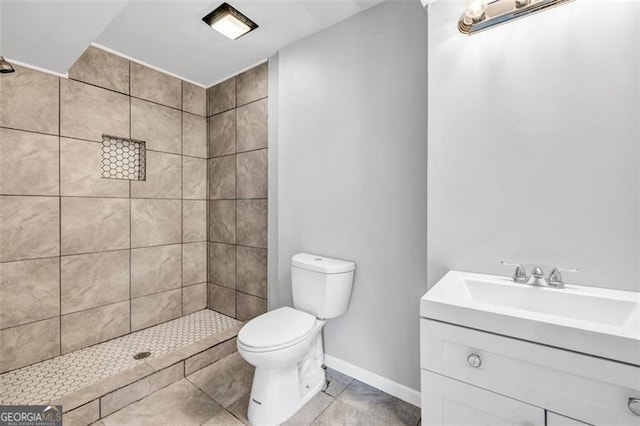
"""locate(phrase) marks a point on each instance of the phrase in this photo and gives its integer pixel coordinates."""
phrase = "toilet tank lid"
(325, 265)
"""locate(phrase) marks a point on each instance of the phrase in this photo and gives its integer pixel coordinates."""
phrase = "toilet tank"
(321, 285)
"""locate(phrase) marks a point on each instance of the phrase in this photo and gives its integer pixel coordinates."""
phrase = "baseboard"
(402, 392)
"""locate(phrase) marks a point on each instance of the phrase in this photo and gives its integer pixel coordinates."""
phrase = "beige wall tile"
(194, 99)
(29, 291)
(155, 86)
(221, 97)
(194, 135)
(29, 101)
(94, 224)
(92, 280)
(194, 178)
(103, 69)
(221, 299)
(82, 416)
(252, 126)
(28, 163)
(250, 306)
(194, 221)
(251, 271)
(194, 263)
(81, 171)
(29, 227)
(222, 221)
(105, 322)
(155, 222)
(252, 223)
(29, 343)
(156, 308)
(88, 112)
(194, 298)
(222, 134)
(155, 269)
(159, 126)
(164, 177)
(253, 84)
(222, 264)
(222, 178)
(252, 174)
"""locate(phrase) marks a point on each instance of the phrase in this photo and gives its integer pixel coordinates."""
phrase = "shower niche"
(123, 158)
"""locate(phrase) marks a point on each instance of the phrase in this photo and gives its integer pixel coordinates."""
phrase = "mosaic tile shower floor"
(61, 375)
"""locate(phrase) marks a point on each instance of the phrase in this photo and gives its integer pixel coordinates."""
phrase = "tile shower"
(84, 259)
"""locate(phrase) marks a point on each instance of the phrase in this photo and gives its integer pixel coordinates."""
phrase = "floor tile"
(311, 410)
(223, 418)
(340, 413)
(225, 381)
(337, 382)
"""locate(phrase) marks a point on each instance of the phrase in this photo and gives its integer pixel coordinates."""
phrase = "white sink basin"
(590, 320)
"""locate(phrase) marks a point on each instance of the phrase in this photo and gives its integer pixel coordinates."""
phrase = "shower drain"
(142, 355)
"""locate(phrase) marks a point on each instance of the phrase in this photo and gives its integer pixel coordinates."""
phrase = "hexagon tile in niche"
(123, 158)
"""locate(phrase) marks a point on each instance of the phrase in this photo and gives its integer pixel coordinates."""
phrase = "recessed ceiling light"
(229, 22)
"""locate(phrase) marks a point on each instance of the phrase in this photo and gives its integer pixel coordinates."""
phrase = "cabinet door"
(446, 401)
(554, 419)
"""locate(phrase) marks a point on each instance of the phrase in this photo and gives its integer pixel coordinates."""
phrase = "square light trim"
(229, 22)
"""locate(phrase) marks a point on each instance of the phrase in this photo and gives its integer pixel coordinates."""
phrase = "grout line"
(182, 202)
(111, 197)
(131, 212)
(235, 170)
(59, 217)
(236, 105)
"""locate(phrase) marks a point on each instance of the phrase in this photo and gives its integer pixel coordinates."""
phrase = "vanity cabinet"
(476, 377)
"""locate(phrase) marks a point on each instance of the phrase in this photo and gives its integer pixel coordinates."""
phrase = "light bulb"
(475, 9)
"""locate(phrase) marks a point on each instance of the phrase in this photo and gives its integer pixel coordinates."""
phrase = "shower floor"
(63, 375)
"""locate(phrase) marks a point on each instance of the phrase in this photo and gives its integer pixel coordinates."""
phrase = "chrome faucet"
(520, 275)
(555, 277)
(537, 277)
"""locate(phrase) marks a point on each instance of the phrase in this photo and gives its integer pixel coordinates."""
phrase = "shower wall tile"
(103, 69)
(222, 221)
(222, 299)
(87, 112)
(252, 223)
(26, 284)
(194, 135)
(155, 86)
(194, 263)
(222, 178)
(29, 343)
(94, 224)
(92, 280)
(156, 308)
(194, 99)
(155, 269)
(222, 134)
(80, 171)
(251, 272)
(163, 177)
(194, 178)
(253, 84)
(194, 221)
(29, 100)
(250, 306)
(252, 126)
(29, 227)
(222, 264)
(28, 163)
(159, 126)
(221, 97)
(105, 323)
(252, 174)
(155, 222)
(194, 298)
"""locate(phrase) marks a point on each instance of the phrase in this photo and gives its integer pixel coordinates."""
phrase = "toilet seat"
(277, 329)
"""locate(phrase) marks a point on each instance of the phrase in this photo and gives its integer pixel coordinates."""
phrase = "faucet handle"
(555, 277)
(520, 275)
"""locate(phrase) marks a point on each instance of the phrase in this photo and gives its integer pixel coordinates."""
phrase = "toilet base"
(277, 394)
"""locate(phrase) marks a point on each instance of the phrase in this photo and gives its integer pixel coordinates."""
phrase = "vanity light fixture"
(229, 22)
(483, 14)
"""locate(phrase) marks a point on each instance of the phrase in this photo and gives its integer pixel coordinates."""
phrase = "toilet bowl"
(285, 345)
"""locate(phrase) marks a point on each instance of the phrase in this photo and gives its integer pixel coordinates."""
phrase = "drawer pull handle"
(634, 406)
(475, 361)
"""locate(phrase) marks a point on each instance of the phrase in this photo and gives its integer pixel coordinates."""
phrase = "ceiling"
(168, 35)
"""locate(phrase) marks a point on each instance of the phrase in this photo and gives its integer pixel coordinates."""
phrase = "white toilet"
(285, 345)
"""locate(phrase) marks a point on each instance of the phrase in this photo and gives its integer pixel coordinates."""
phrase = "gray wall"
(351, 177)
(534, 143)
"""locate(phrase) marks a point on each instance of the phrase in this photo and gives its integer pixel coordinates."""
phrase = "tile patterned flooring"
(64, 374)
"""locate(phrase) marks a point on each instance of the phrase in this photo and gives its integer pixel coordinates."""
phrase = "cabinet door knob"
(475, 361)
(634, 406)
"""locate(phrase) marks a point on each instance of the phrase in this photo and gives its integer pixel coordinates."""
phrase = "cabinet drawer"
(591, 389)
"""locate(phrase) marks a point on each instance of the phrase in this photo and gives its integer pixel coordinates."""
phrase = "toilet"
(285, 345)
